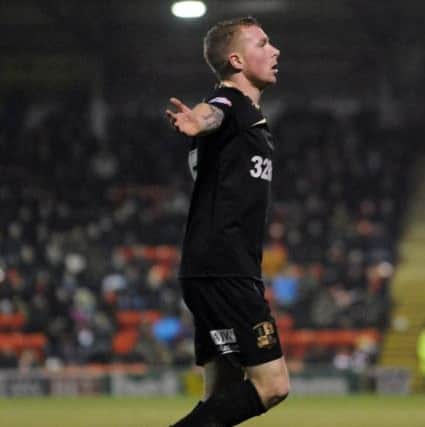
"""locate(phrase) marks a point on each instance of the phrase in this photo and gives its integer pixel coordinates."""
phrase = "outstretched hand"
(184, 119)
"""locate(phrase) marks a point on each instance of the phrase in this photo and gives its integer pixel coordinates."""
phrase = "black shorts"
(231, 317)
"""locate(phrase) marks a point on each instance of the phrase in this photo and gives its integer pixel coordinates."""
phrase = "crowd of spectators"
(91, 227)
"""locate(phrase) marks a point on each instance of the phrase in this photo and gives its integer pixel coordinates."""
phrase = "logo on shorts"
(223, 336)
(225, 340)
(266, 335)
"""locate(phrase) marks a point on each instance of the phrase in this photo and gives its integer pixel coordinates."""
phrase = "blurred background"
(95, 188)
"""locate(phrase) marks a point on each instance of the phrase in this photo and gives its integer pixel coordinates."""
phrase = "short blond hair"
(218, 40)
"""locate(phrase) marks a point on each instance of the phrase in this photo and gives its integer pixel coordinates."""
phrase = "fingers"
(172, 118)
(179, 105)
(171, 115)
(179, 116)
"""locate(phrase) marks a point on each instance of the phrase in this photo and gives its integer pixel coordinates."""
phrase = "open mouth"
(275, 68)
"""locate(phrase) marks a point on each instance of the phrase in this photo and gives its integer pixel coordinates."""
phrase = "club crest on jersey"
(266, 335)
(220, 100)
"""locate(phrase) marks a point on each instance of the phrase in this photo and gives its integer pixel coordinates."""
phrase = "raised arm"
(201, 119)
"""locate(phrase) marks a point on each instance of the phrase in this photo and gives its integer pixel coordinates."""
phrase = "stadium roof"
(335, 47)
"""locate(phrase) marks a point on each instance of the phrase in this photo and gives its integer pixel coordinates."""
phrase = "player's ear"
(235, 60)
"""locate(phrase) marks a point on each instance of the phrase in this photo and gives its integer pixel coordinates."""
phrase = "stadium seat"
(344, 337)
(11, 322)
(284, 322)
(298, 342)
(128, 319)
(131, 319)
(18, 341)
(124, 341)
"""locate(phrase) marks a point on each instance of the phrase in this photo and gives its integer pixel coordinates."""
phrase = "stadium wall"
(312, 381)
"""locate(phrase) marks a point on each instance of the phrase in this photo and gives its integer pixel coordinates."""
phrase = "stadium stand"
(408, 317)
(90, 232)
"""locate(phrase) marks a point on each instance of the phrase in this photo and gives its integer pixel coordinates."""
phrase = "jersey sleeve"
(236, 106)
(223, 99)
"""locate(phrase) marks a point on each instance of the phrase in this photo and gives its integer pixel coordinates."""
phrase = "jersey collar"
(228, 83)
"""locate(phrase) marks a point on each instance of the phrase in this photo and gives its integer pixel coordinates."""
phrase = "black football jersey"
(232, 168)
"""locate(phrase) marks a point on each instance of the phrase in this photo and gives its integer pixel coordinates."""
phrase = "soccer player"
(231, 162)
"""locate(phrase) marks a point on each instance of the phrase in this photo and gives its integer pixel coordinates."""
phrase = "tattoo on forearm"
(213, 119)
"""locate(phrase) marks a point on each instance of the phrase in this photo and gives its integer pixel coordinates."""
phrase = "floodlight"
(188, 9)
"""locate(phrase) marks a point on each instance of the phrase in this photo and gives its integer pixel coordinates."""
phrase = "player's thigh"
(220, 372)
(271, 378)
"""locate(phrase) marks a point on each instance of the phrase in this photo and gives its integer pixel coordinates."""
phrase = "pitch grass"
(352, 411)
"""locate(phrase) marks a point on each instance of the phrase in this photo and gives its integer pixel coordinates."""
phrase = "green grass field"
(353, 411)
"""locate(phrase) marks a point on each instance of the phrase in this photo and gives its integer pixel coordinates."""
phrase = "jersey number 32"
(262, 168)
